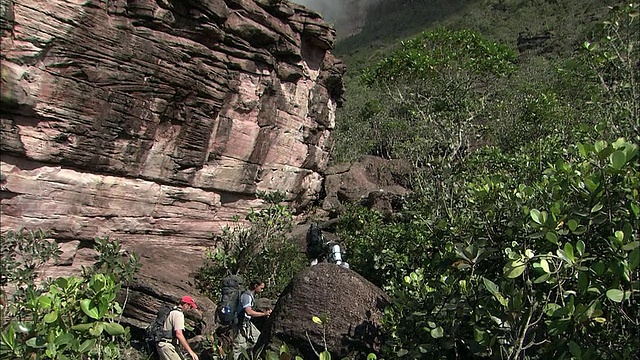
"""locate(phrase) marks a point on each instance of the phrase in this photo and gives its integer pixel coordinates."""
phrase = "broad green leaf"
(97, 329)
(591, 185)
(584, 150)
(630, 246)
(600, 145)
(597, 207)
(580, 247)
(44, 302)
(491, 286)
(568, 250)
(561, 254)
(620, 142)
(618, 160)
(552, 237)
(114, 329)
(572, 225)
(64, 339)
(87, 345)
(550, 308)
(325, 355)
(583, 281)
(581, 229)
(92, 312)
(372, 356)
(598, 268)
(635, 209)
(538, 235)
(51, 350)
(478, 334)
(51, 317)
(628, 231)
(575, 350)
(616, 295)
(62, 282)
(619, 236)
(36, 342)
(284, 349)
(542, 278)
(536, 216)
(316, 320)
(600, 218)
(544, 264)
(515, 268)
(272, 355)
(437, 332)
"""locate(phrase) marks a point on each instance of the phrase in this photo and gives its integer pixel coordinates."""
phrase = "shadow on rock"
(353, 307)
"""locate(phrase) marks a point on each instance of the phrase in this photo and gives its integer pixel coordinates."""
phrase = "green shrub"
(259, 248)
(67, 317)
(547, 269)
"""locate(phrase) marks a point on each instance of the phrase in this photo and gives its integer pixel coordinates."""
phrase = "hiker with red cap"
(174, 324)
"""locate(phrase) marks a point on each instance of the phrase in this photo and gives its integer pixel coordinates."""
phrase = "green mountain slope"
(557, 27)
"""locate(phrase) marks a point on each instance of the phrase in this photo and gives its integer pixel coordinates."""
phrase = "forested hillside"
(520, 120)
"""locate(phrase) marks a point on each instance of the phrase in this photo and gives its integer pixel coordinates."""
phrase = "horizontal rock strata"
(154, 122)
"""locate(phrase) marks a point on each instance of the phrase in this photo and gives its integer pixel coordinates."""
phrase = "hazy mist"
(346, 15)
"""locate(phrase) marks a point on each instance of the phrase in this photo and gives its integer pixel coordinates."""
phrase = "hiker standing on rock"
(174, 324)
(246, 333)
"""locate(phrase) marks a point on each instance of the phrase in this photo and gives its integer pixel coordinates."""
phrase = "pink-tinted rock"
(156, 121)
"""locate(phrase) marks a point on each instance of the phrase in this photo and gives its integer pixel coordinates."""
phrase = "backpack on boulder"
(155, 331)
(232, 288)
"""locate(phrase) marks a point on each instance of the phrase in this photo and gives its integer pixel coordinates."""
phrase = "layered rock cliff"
(156, 121)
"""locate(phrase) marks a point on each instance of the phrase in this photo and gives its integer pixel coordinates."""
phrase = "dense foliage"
(525, 244)
(520, 239)
(258, 248)
(74, 317)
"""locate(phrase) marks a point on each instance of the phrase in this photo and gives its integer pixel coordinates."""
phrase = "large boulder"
(348, 183)
(353, 307)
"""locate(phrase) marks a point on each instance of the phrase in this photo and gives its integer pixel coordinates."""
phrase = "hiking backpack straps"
(155, 331)
(232, 288)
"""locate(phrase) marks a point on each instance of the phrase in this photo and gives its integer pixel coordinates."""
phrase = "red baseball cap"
(189, 300)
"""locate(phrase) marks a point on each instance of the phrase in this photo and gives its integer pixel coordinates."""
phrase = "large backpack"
(232, 289)
(315, 243)
(155, 331)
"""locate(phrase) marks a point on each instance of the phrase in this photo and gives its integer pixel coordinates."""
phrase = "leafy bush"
(613, 57)
(544, 270)
(67, 317)
(23, 253)
(259, 248)
(528, 248)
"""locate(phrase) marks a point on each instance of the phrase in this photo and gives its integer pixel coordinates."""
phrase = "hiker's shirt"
(175, 321)
(246, 300)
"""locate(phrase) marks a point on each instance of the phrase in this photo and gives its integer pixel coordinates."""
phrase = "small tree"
(258, 248)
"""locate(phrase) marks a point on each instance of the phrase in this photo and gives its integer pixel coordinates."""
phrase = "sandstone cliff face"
(155, 121)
